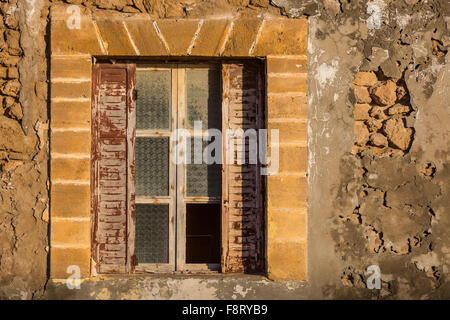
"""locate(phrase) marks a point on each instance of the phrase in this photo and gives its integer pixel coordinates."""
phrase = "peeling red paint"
(243, 210)
(112, 201)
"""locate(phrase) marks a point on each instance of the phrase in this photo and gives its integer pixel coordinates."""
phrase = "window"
(161, 208)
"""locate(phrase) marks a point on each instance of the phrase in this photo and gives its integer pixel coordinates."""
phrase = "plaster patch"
(403, 20)
(424, 262)
(240, 290)
(326, 73)
(376, 9)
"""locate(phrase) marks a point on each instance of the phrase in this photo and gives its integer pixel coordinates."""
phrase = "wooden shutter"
(242, 214)
(113, 118)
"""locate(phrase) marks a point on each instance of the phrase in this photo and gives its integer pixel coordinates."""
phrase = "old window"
(161, 208)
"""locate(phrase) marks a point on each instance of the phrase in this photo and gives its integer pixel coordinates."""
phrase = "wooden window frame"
(170, 200)
(177, 200)
(182, 199)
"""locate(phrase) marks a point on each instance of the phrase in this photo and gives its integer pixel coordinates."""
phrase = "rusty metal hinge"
(134, 95)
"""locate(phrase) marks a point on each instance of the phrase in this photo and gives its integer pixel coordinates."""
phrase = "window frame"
(170, 200)
(177, 199)
(280, 41)
(182, 199)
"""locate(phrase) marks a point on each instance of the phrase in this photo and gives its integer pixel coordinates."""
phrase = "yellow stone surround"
(281, 41)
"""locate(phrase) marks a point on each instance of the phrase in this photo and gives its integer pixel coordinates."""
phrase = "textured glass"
(152, 233)
(203, 101)
(152, 166)
(203, 180)
(154, 95)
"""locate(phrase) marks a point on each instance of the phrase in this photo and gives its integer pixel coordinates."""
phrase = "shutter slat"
(242, 196)
(112, 201)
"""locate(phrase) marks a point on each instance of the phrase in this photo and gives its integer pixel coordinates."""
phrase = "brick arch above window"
(281, 42)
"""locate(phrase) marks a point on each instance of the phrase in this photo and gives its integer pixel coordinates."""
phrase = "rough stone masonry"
(379, 141)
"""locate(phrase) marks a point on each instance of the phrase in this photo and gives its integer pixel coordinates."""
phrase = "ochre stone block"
(178, 34)
(287, 260)
(287, 191)
(283, 37)
(70, 201)
(365, 79)
(145, 38)
(71, 142)
(384, 93)
(71, 90)
(242, 36)
(62, 258)
(67, 39)
(71, 232)
(70, 169)
(289, 131)
(293, 158)
(71, 67)
(66, 114)
(210, 38)
(280, 106)
(281, 84)
(362, 94)
(287, 65)
(361, 111)
(397, 133)
(286, 225)
(361, 133)
(115, 38)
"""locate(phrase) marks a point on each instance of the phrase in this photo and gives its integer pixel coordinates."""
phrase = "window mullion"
(173, 172)
(181, 229)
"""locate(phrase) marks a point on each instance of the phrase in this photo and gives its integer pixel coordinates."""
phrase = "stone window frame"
(77, 40)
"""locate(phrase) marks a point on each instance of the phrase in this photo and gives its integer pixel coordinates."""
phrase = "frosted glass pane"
(203, 98)
(203, 180)
(152, 233)
(152, 166)
(154, 88)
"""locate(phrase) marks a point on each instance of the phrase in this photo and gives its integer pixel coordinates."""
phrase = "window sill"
(208, 275)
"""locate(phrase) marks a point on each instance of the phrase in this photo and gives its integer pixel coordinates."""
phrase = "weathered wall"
(365, 207)
(384, 206)
(23, 150)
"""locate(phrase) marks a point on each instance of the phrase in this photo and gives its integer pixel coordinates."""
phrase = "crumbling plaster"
(384, 211)
(363, 209)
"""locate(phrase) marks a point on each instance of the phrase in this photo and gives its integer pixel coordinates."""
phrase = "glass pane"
(203, 233)
(154, 100)
(203, 100)
(152, 166)
(152, 233)
(203, 180)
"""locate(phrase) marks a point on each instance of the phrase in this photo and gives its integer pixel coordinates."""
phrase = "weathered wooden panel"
(112, 167)
(243, 213)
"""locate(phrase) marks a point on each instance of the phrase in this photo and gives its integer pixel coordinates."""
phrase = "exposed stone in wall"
(380, 112)
(298, 8)
(23, 151)
(180, 8)
(390, 197)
